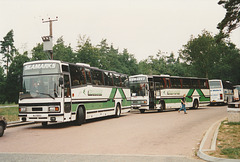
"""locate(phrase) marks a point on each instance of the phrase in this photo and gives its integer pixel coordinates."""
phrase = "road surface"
(152, 133)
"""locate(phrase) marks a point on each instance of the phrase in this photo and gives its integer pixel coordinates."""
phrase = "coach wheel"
(80, 118)
(1, 129)
(162, 105)
(118, 111)
(142, 110)
(195, 104)
(44, 124)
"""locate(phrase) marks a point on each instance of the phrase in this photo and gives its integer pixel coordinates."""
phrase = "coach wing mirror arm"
(60, 81)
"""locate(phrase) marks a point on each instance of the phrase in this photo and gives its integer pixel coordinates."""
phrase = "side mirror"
(60, 81)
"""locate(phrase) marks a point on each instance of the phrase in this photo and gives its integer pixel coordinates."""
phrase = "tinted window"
(97, 77)
(175, 83)
(108, 78)
(124, 80)
(116, 78)
(167, 82)
(88, 76)
(203, 84)
(77, 75)
(195, 83)
(186, 83)
(65, 68)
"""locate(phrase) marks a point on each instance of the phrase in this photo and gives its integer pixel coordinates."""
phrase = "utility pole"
(47, 40)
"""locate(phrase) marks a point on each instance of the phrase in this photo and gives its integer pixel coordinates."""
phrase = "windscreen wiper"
(46, 94)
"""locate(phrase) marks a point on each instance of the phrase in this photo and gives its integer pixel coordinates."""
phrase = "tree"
(38, 53)
(208, 57)
(201, 54)
(8, 49)
(232, 17)
(14, 79)
(229, 63)
(62, 52)
(87, 53)
(128, 64)
(2, 85)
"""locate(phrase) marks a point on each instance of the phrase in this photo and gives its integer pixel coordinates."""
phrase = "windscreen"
(215, 84)
(138, 86)
(41, 86)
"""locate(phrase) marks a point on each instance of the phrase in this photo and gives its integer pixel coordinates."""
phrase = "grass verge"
(228, 141)
(10, 113)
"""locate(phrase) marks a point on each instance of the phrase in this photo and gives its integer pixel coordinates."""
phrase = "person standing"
(183, 103)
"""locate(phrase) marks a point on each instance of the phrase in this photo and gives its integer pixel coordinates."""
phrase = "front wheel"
(1, 129)
(118, 111)
(44, 124)
(80, 118)
(142, 110)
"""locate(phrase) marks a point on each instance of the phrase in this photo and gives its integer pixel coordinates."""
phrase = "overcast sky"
(142, 26)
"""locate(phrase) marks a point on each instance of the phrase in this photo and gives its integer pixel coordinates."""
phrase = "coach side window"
(97, 77)
(116, 78)
(167, 82)
(108, 78)
(161, 83)
(75, 78)
(88, 76)
(186, 83)
(204, 84)
(124, 80)
(157, 88)
(175, 83)
(195, 83)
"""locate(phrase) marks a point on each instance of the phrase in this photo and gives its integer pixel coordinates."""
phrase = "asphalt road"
(133, 135)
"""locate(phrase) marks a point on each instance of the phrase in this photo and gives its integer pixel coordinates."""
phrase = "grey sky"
(141, 26)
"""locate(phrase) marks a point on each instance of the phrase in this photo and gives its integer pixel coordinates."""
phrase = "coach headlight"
(54, 109)
(22, 109)
(143, 102)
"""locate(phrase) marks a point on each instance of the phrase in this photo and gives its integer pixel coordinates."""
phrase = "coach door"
(151, 95)
(67, 98)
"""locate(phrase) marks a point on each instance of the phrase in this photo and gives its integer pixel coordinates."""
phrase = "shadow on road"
(71, 124)
(166, 111)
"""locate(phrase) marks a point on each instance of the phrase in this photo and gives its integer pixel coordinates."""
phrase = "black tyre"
(195, 104)
(44, 124)
(1, 129)
(118, 111)
(142, 110)
(80, 116)
(162, 106)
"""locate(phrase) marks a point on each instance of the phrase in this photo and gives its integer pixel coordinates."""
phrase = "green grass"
(232, 153)
(228, 145)
(10, 113)
(8, 104)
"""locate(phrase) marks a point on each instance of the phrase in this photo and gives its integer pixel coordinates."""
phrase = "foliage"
(14, 79)
(87, 53)
(212, 58)
(62, 52)
(38, 53)
(232, 17)
(161, 64)
(201, 54)
(2, 85)
(8, 49)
